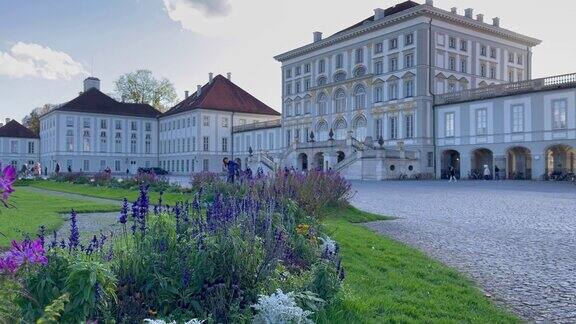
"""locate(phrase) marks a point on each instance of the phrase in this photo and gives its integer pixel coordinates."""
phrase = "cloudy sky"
(48, 47)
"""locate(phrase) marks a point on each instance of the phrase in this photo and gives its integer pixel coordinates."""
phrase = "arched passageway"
(519, 163)
(340, 156)
(481, 158)
(450, 158)
(319, 161)
(560, 160)
(302, 161)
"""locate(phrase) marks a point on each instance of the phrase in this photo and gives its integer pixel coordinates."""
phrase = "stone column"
(538, 166)
(465, 165)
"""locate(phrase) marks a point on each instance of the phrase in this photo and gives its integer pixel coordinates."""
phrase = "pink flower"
(27, 251)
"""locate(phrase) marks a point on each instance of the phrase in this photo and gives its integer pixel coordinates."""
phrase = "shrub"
(72, 177)
(102, 178)
(205, 180)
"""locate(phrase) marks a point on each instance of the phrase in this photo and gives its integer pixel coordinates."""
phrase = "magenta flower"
(26, 252)
(7, 178)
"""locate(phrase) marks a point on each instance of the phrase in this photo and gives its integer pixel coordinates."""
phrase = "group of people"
(34, 170)
(235, 172)
(487, 175)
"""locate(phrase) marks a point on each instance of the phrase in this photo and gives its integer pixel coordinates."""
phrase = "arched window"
(340, 101)
(340, 129)
(340, 76)
(359, 127)
(359, 97)
(359, 72)
(321, 104)
(322, 131)
(321, 81)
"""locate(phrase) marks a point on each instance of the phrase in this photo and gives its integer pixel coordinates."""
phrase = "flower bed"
(235, 253)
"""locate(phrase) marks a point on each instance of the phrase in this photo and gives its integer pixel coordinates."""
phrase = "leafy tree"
(32, 120)
(142, 87)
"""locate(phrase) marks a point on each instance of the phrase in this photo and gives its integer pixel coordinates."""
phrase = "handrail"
(506, 89)
(257, 125)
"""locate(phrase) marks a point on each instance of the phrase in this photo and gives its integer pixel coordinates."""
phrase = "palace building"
(407, 92)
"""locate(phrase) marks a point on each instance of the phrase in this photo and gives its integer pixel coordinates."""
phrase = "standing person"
(496, 173)
(231, 168)
(57, 169)
(486, 172)
(69, 168)
(452, 174)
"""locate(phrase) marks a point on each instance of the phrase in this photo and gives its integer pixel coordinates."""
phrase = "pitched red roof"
(222, 94)
(15, 129)
(94, 101)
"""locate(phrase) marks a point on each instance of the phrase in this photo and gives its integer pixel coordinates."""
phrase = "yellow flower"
(302, 229)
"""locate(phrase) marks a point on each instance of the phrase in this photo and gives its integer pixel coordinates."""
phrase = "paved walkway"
(516, 239)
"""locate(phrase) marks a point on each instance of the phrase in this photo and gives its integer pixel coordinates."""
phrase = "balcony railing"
(258, 125)
(507, 89)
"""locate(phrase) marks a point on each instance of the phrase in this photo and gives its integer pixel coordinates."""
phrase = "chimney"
(185, 94)
(480, 17)
(229, 76)
(469, 13)
(7, 120)
(378, 14)
(210, 76)
(198, 91)
(430, 3)
(496, 22)
(454, 10)
(91, 82)
(317, 36)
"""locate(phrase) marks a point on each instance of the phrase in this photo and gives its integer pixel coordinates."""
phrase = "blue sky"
(57, 41)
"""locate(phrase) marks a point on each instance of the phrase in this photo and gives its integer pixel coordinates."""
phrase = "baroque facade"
(407, 92)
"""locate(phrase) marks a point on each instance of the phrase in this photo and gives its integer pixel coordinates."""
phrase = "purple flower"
(7, 178)
(74, 238)
(42, 234)
(123, 212)
(26, 252)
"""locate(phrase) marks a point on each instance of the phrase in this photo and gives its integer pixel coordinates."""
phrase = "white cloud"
(33, 60)
(198, 15)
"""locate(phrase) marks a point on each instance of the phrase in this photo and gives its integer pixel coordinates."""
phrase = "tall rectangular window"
(321, 66)
(409, 60)
(481, 121)
(409, 123)
(224, 144)
(517, 118)
(30, 147)
(393, 91)
(559, 114)
(205, 143)
(393, 122)
(449, 124)
(408, 88)
(205, 165)
(339, 61)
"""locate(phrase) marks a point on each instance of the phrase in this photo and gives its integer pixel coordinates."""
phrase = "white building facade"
(18, 145)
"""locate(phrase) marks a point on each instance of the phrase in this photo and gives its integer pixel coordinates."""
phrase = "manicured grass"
(390, 282)
(31, 210)
(108, 193)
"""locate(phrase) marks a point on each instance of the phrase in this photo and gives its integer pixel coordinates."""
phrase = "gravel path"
(89, 224)
(516, 239)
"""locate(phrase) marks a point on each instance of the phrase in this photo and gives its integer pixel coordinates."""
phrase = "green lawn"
(31, 210)
(104, 192)
(390, 282)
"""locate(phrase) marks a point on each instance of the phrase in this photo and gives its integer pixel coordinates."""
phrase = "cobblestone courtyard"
(517, 240)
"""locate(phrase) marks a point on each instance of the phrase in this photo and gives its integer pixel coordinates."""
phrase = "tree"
(142, 87)
(32, 120)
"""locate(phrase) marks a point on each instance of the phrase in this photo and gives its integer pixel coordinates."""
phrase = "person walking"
(57, 169)
(452, 174)
(496, 173)
(486, 172)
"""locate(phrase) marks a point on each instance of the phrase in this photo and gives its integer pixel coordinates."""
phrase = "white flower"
(328, 244)
(279, 308)
(120, 180)
(159, 321)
